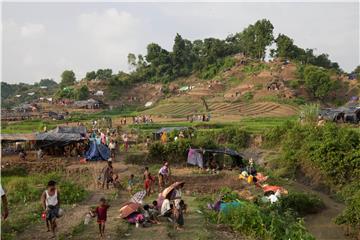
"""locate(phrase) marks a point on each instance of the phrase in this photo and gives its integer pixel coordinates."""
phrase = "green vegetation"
(331, 151)
(287, 49)
(24, 191)
(67, 79)
(260, 221)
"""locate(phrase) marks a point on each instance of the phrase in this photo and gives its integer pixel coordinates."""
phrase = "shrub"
(301, 203)
(310, 112)
(71, 192)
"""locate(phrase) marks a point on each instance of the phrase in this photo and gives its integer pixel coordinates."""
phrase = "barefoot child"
(50, 200)
(101, 212)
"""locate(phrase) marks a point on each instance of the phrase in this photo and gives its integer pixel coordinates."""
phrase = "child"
(130, 183)
(101, 212)
(50, 199)
(179, 215)
(148, 215)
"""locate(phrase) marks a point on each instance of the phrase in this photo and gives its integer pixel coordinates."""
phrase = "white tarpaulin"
(148, 104)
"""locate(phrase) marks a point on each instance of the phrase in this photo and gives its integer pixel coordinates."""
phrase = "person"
(163, 138)
(108, 174)
(112, 147)
(131, 182)
(22, 155)
(148, 141)
(163, 175)
(148, 184)
(40, 154)
(126, 144)
(101, 212)
(149, 217)
(166, 208)
(176, 195)
(4, 203)
(50, 200)
(179, 215)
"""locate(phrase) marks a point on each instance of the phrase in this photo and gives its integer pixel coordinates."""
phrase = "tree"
(48, 83)
(82, 93)
(67, 78)
(104, 74)
(357, 72)
(90, 75)
(132, 61)
(317, 81)
(255, 38)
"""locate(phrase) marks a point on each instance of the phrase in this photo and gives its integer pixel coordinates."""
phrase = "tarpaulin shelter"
(97, 152)
(61, 136)
(195, 156)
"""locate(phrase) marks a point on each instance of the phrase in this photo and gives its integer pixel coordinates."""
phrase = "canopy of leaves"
(317, 81)
(67, 78)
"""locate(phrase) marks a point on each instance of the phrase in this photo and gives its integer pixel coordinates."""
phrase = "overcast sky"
(40, 40)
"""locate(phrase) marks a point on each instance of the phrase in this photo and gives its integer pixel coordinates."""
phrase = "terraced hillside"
(222, 108)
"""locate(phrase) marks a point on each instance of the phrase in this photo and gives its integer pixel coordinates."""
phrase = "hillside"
(249, 88)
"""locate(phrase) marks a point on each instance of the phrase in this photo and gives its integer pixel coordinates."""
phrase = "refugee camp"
(186, 120)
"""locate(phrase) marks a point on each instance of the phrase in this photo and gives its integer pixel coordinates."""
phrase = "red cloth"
(147, 183)
(101, 213)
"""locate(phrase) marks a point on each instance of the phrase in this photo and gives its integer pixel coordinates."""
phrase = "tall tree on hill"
(255, 38)
(67, 78)
(161, 68)
(90, 75)
(317, 81)
(104, 74)
(132, 61)
(182, 56)
(82, 93)
(263, 37)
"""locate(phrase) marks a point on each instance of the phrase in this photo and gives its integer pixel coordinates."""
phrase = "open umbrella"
(138, 197)
(169, 189)
(128, 209)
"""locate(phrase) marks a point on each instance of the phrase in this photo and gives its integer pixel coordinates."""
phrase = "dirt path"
(322, 225)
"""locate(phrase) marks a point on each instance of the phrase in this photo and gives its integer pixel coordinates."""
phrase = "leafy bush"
(301, 203)
(248, 96)
(261, 223)
(310, 112)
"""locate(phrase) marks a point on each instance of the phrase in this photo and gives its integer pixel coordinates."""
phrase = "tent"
(196, 158)
(97, 152)
(61, 136)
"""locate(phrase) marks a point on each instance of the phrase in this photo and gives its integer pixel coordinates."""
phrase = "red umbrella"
(128, 209)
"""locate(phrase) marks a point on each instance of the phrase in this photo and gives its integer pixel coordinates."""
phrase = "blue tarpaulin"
(97, 152)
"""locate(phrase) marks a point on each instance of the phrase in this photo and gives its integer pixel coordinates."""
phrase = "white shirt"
(273, 198)
(165, 206)
(51, 200)
(2, 192)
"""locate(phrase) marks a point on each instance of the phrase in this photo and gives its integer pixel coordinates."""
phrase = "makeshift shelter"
(197, 157)
(61, 136)
(88, 104)
(97, 152)
(148, 104)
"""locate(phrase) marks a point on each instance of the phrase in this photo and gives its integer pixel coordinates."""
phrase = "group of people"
(142, 119)
(200, 118)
